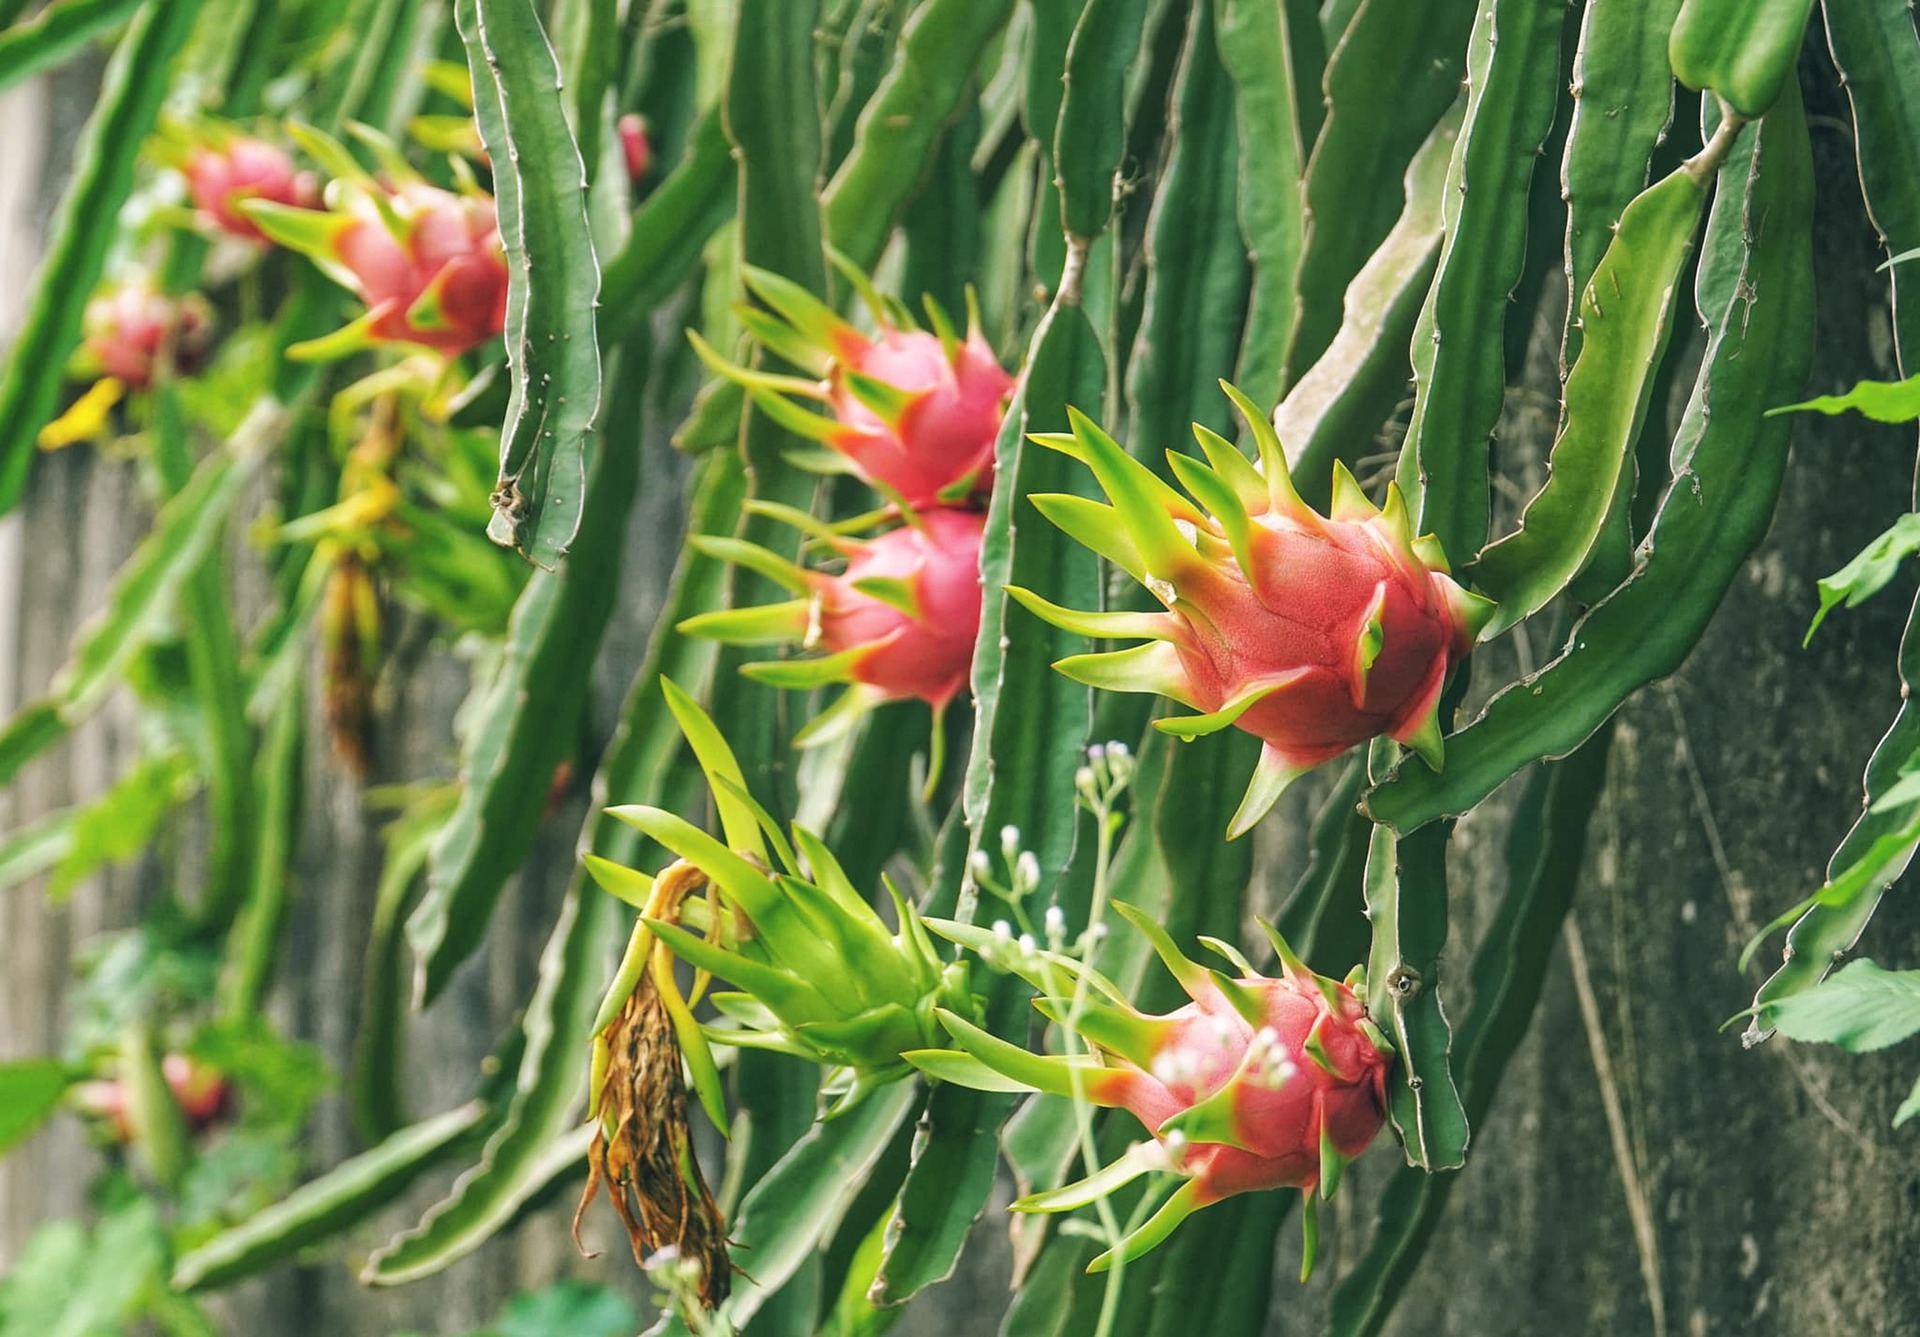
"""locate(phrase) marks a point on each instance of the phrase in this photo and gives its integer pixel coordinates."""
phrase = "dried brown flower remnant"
(642, 1148)
(350, 629)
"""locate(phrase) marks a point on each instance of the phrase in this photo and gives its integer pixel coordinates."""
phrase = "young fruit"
(1313, 633)
(897, 623)
(131, 331)
(635, 147)
(1258, 1083)
(201, 1092)
(915, 413)
(428, 263)
(221, 174)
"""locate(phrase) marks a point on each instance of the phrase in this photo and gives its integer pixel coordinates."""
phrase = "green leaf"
(82, 232)
(55, 33)
(71, 1282)
(1091, 138)
(1908, 1107)
(1882, 401)
(1860, 1007)
(1874, 47)
(30, 1091)
(33, 849)
(117, 825)
(540, 184)
(570, 1307)
(1868, 573)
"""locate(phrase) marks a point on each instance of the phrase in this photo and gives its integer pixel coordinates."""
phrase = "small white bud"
(1026, 871)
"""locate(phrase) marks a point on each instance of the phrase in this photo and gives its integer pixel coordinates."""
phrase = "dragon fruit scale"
(915, 413)
(1313, 633)
(1258, 1083)
(225, 171)
(429, 263)
(898, 622)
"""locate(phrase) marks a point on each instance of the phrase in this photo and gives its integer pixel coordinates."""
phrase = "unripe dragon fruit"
(1258, 1083)
(1313, 633)
(222, 173)
(915, 413)
(128, 331)
(429, 263)
(899, 622)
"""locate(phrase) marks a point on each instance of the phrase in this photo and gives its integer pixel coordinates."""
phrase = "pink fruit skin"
(201, 1092)
(1278, 1123)
(946, 435)
(926, 657)
(127, 329)
(218, 179)
(636, 147)
(1303, 613)
(452, 243)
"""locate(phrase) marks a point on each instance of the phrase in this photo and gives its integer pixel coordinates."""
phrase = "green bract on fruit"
(897, 623)
(1258, 1083)
(1313, 633)
(429, 263)
(915, 413)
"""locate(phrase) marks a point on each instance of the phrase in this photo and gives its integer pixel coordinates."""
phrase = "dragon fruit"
(222, 173)
(1257, 1083)
(899, 622)
(1313, 633)
(915, 413)
(131, 330)
(635, 147)
(429, 263)
(199, 1089)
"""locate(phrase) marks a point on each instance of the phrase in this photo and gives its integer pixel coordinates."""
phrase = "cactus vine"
(981, 696)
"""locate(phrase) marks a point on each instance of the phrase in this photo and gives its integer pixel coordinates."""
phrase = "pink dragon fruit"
(915, 413)
(199, 1089)
(899, 622)
(635, 147)
(1312, 633)
(222, 173)
(1258, 1083)
(131, 330)
(428, 263)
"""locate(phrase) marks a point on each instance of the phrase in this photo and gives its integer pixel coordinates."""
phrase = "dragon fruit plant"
(1313, 633)
(429, 263)
(225, 169)
(897, 623)
(1258, 1083)
(818, 973)
(914, 412)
